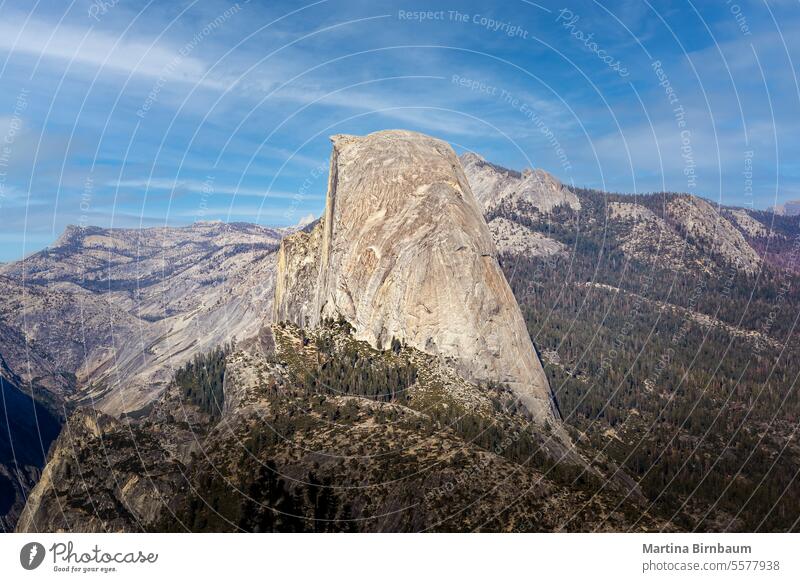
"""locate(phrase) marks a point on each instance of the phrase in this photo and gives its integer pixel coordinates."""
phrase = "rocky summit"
(494, 185)
(403, 253)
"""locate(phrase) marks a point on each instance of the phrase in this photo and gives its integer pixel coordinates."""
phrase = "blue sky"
(126, 114)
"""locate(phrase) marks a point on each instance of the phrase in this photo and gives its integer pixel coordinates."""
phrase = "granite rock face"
(649, 239)
(298, 265)
(102, 475)
(116, 311)
(511, 237)
(704, 226)
(405, 253)
(494, 186)
(749, 225)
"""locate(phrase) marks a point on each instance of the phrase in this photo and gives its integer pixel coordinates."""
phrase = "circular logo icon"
(31, 555)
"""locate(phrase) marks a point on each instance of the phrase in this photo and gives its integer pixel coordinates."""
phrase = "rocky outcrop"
(630, 212)
(406, 254)
(691, 235)
(648, 238)
(298, 268)
(708, 230)
(494, 186)
(514, 238)
(102, 476)
(749, 225)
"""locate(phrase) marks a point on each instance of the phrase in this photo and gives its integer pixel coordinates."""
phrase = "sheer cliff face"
(298, 265)
(403, 251)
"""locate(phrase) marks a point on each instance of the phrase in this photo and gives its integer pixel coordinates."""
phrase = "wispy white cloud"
(97, 48)
(434, 114)
(198, 186)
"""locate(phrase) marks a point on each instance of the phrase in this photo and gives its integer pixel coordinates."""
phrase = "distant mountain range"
(453, 346)
(790, 208)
